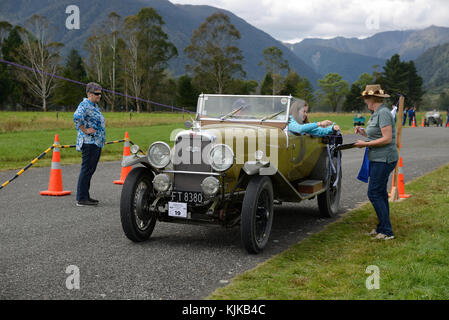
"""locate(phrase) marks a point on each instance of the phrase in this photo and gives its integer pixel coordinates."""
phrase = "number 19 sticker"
(177, 209)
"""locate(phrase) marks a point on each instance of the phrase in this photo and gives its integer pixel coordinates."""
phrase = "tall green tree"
(42, 54)
(274, 64)
(186, 93)
(402, 78)
(353, 101)
(415, 90)
(290, 83)
(145, 52)
(305, 91)
(215, 57)
(111, 30)
(69, 93)
(334, 89)
(6, 83)
(395, 76)
(155, 50)
(266, 87)
(244, 87)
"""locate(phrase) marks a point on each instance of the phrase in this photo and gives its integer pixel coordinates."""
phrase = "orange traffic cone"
(55, 184)
(422, 122)
(125, 170)
(414, 123)
(401, 185)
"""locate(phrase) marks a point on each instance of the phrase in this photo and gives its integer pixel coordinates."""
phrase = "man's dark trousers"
(90, 155)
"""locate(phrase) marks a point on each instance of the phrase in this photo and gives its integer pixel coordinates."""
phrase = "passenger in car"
(299, 123)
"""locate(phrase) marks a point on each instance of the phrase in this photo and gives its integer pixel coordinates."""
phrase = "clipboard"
(346, 146)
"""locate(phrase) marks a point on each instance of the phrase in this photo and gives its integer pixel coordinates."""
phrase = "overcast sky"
(294, 20)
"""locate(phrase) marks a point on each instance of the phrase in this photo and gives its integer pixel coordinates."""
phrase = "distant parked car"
(433, 118)
(359, 120)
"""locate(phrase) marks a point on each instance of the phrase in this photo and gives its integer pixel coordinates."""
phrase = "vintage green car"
(233, 163)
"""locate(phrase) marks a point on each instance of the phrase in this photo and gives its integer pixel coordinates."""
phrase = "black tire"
(257, 214)
(329, 201)
(137, 222)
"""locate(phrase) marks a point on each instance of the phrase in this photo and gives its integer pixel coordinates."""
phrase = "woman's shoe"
(93, 200)
(382, 236)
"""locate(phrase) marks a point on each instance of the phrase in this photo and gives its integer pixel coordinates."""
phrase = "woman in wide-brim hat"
(382, 155)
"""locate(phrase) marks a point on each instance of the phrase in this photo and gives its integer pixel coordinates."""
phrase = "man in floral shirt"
(89, 122)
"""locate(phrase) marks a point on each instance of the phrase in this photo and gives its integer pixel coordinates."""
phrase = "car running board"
(285, 191)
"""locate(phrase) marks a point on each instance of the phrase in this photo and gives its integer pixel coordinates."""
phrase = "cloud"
(290, 20)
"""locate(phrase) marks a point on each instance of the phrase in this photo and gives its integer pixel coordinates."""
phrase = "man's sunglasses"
(96, 93)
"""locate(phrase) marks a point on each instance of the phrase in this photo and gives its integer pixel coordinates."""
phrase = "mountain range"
(312, 58)
(351, 56)
(433, 66)
(180, 21)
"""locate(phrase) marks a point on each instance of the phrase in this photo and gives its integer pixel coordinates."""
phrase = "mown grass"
(17, 149)
(332, 263)
(24, 135)
(33, 121)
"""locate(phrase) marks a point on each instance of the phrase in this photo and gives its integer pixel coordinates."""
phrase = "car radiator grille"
(189, 153)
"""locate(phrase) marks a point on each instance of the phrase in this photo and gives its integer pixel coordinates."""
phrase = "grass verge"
(332, 263)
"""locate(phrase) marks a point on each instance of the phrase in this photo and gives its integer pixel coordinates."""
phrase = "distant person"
(299, 123)
(411, 115)
(405, 116)
(90, 124)
(447, 117)
(382, 156)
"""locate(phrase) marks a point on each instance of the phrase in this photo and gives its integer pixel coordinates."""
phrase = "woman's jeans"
(91, 155)
(378, 195)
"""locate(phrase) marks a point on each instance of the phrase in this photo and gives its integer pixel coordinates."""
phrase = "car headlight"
(210, 186)
(159, 155)
(134, 149)
(221, 157)
(161, 182)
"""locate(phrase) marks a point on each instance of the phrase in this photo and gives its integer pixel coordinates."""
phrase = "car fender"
(135, 159)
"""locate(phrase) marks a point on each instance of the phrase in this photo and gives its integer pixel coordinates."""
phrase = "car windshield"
(246, 108)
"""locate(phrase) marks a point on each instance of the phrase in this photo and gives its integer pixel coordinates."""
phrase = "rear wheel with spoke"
(329, 201)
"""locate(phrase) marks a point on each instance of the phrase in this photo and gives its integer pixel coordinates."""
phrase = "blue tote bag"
(364, 170)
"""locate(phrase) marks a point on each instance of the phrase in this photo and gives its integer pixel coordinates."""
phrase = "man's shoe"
(83, 203)
(382, 236)
(93, 200)
(372, 233)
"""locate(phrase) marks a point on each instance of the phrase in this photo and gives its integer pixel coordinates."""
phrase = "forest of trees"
(131, 55)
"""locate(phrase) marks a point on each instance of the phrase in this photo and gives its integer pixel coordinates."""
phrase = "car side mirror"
(188, 124)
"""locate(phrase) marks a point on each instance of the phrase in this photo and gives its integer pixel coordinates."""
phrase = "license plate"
(187, 197)
(177, 209)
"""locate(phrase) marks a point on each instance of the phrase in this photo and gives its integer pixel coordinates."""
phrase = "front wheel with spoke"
(137, 193)
(257, 214)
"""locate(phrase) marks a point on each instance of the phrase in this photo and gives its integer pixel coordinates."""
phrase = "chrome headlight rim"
(231, 162)
(165, 178)
(216, 186)
(165, 163)
(134, 149)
